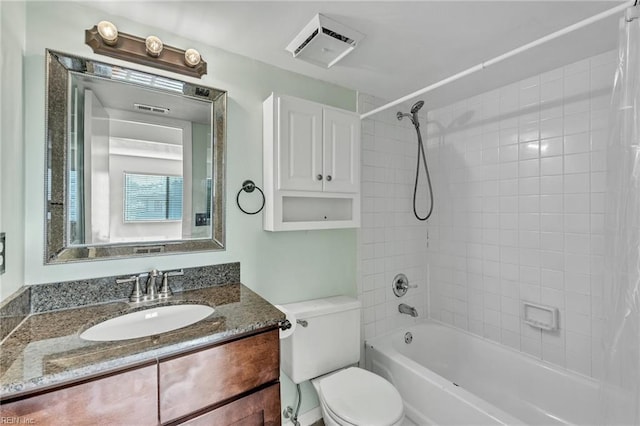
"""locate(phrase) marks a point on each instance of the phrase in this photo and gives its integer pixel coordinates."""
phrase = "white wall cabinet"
(311, 165)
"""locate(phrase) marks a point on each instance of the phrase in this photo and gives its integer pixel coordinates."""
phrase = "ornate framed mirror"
(134, 163)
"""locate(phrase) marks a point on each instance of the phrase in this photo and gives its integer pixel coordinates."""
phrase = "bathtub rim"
(385, 345)
(445, 385)
(546, 364)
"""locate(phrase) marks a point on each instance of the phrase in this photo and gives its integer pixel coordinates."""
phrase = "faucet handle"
(165, 289)
(131, 279)
(174, 273)
(400, 285)
(137, 294)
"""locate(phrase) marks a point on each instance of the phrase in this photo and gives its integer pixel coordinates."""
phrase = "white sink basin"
(147, 322)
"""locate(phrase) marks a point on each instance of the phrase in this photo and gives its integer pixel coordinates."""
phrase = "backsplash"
(13, 310)
(71, 294)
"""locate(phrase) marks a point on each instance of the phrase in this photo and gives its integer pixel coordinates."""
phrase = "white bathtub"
(450, 377)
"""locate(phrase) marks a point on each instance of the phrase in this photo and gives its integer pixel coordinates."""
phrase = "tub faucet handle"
(400, 285)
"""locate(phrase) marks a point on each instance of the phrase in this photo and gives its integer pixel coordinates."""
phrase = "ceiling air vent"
(324, 42)
(151, 108)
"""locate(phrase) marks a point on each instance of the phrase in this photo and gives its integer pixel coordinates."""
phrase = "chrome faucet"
(152, 288)
(406, 309)
(151, 292)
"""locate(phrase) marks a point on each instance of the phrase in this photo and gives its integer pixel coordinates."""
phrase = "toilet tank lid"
(317, 307)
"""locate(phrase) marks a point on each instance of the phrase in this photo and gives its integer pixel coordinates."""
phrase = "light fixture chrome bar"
(500, 58)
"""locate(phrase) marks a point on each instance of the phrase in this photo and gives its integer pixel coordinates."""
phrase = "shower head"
(416, 107)
(414, 113)
(414, 110)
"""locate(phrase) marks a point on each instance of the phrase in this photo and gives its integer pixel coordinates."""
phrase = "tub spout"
(406, 309)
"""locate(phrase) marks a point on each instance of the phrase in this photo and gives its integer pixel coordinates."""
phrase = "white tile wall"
(519, 211)
(519, 176)
(391, 240)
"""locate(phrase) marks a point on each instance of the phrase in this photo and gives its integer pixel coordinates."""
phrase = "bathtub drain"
(408, 337)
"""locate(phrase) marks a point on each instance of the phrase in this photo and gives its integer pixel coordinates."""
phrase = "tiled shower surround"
(519, 177)
(391, 240)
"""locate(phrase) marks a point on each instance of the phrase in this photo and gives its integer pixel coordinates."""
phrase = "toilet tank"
(330, 341)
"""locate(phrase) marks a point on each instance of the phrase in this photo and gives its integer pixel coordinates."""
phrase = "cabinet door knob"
(329, 178)
(319, 177)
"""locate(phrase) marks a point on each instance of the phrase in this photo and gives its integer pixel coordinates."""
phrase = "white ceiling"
(408, 44)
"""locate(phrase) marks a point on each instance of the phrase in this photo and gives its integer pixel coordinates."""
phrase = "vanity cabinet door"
(190, 383)
(129, 398)
(257, 409)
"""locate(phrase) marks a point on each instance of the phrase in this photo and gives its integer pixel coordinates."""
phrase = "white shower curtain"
(621, 379)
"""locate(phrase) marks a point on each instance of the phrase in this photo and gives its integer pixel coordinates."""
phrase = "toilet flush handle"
(284, 325)
(303, 323)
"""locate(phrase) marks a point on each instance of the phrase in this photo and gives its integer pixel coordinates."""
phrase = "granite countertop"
(46, 349)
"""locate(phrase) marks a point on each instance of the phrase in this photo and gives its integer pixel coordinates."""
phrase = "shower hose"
(421, 154)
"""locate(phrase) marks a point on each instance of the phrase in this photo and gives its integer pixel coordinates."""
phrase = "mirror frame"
(59, 67)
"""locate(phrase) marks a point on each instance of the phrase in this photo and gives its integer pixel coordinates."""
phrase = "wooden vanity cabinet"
(125, 398)
(211, 377)
(231, 383)
(259, 408)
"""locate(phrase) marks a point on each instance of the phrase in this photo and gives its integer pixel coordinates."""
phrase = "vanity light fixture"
(191, 57)
(154, 46)
(108, 32)
(105, 39)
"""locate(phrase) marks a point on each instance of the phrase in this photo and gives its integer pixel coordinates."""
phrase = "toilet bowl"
(357, 397)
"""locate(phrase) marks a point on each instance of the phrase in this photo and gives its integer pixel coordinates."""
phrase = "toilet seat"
(358, 397)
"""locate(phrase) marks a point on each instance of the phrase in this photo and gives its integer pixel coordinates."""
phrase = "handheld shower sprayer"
(413, 116)
(414, 113)
(416, 107)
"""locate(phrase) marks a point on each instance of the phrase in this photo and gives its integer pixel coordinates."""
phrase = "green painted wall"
(12, 43)
(282, 267)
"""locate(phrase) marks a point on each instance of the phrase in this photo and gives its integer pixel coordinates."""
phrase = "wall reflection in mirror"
(142, 168)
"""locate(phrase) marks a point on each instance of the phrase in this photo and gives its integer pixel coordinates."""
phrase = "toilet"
(323, 348)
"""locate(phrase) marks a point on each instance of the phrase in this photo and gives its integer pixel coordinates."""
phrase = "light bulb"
(108, 32)
(154, 46)
(192, 57)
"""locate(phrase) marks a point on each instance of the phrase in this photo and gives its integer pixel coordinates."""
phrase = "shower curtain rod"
(504, 56)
